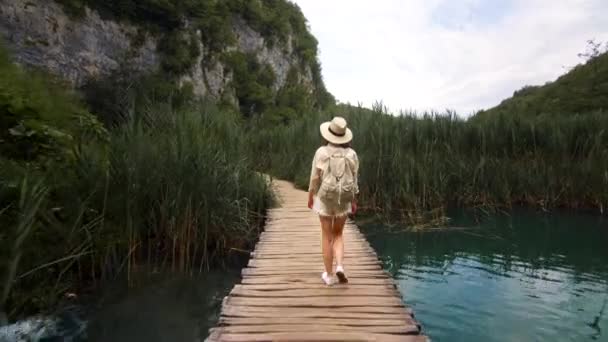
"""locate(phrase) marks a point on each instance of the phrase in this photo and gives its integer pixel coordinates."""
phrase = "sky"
(462, 55)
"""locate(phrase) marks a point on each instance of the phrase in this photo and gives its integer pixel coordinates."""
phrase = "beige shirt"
(321, 161)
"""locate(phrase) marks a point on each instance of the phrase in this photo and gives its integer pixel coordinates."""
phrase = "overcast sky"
(458, 54)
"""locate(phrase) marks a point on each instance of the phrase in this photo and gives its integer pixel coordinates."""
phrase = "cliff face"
(40, 33)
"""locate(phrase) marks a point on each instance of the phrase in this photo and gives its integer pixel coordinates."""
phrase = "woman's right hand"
(310, 201)
(353, 207)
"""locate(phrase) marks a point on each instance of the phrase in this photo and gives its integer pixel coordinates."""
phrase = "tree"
(594, 50)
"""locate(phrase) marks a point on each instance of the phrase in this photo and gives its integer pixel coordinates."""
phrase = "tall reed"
(413, 165)
(167, 191)
(176, 189)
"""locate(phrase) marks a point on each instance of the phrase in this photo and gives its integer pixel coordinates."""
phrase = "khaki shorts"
(334, 209)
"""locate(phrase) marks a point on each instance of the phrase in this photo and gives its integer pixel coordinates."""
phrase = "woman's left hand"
(310, 202)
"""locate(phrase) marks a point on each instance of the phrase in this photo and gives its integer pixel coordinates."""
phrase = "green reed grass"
(416, 165)
(176, 190)
(166, 191)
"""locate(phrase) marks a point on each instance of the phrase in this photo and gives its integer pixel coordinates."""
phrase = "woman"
(331, 192)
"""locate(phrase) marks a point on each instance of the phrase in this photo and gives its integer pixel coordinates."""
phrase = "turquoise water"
(175, 309)
(523, 277)
(162, 308)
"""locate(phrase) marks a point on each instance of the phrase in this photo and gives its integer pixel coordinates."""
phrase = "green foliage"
(293, 101)
(412, 165)
(213, 18)
(323, 98)
(582, 90)
(126, 94)
(276, 20)
(167, 187)
(43, 128)
(25, 212)
(177, 182)
(39, 120)
(180, 51)
(252, 82)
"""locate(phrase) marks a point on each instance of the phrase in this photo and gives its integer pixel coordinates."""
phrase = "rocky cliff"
(40, 33)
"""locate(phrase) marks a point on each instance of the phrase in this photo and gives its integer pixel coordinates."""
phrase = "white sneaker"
(327, 279)
(341, 275)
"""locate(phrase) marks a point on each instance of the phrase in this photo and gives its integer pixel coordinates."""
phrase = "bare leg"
(338, 240)
(326, 242)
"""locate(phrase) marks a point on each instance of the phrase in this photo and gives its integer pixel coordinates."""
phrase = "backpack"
(338, 183)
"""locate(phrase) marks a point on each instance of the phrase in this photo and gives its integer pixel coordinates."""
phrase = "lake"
(178, 308)
(518, 277)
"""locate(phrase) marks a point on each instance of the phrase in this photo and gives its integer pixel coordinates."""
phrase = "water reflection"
(175, 309)
(511, 278)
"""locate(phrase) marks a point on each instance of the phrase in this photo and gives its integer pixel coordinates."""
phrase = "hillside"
(257, 56)
(166, 180)
(583, 89)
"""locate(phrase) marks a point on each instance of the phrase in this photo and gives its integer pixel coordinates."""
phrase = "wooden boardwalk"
(282, 298)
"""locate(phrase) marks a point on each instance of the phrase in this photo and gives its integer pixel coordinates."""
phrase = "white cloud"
(437, 54)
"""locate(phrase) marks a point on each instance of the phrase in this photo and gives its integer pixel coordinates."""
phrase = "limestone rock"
(40, 34)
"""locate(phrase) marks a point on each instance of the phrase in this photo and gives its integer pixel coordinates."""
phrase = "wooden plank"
(317, 285)
(311, 251)
(311, 326)
(285, 234)
(281, 295)
(310, 279)
(353, 271)
(316, 236)
(304, 230)
(311, 259)
(319, 302)
(305, 250)
(321, 336)
(332, 292)
(295, 262)
(313, 240)
(313, 270)
(295, 251)
(348, 322)
(288, 255)
(304, 244)
(308, 243)
(364, 312)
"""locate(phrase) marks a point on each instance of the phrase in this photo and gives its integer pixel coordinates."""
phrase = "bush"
(180, 51)
(252, 82)
(39, 120)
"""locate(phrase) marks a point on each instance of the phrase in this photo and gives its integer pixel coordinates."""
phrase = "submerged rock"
(67, 326)
(32, 329)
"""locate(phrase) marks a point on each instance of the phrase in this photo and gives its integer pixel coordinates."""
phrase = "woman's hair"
(347, 145)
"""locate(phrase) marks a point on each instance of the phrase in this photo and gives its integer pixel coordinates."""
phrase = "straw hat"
(336, 132)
